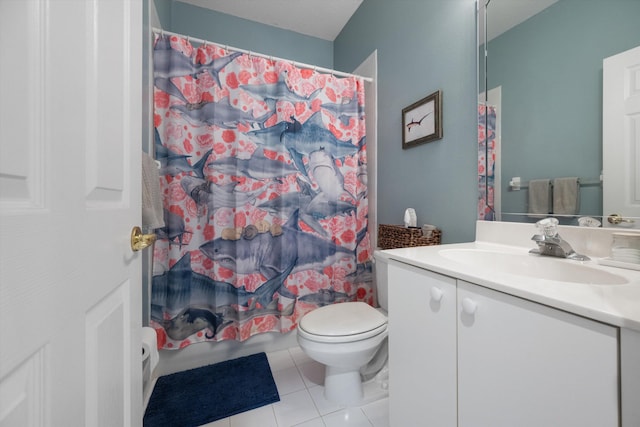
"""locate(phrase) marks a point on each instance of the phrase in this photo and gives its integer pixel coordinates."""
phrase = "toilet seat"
(345, 322)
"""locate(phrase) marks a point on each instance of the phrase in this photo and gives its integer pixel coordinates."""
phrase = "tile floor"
(302, 404)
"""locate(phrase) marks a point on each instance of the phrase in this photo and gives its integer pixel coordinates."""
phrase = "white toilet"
(345, 338)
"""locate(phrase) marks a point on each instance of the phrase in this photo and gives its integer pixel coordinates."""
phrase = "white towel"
(539, 197)
(566, 196)
(152, 215)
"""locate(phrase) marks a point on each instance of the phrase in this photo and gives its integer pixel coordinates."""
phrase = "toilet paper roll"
(150, 347)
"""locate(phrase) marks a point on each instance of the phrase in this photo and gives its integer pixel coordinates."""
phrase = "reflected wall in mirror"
(546, 73)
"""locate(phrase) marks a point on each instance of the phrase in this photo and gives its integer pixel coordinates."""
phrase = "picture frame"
(422, 121)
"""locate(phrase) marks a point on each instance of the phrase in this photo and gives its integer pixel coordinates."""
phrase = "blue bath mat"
(203, 395)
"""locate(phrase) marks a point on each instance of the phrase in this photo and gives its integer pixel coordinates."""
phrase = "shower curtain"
(263, 173)
(486, 161)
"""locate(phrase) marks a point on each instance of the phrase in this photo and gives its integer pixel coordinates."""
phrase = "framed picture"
(422, 121)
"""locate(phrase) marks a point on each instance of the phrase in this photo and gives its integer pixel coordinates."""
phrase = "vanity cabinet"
(488, 359)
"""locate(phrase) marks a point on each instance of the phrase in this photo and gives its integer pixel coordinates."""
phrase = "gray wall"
(550, 70)
(163, 9)
(244, 34)
(423, 46)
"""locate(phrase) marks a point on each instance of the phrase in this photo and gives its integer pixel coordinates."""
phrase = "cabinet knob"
(469, 306)
(436, 294)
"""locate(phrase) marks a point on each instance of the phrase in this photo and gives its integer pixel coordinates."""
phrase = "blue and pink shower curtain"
(263, 172)
(486, 161)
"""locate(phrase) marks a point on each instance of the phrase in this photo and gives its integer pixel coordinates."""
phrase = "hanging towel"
(566, 196)
(152, 215)
(539, 197)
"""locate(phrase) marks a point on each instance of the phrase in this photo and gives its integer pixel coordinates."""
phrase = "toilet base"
(343, 386)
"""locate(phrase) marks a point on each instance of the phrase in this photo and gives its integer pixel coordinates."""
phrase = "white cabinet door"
(422, 348)
(524, 364)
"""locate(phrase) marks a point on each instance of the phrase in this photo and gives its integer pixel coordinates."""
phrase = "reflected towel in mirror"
(539, 197)
(566, 196)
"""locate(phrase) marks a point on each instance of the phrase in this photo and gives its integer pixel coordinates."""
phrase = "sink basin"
(533, 266)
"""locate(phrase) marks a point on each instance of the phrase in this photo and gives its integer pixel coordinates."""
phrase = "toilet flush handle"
(436, 294)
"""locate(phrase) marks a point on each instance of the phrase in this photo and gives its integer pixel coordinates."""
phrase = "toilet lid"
(344, 319)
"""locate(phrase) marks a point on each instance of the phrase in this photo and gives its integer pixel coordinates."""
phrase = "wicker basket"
(398, 236)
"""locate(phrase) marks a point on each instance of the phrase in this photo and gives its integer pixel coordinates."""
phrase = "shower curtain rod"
(251, 53)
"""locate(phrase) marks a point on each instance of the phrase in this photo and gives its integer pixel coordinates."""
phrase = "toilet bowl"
(344, 337)
(350, 339)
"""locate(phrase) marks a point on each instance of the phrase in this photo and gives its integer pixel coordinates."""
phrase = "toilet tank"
(381, 281)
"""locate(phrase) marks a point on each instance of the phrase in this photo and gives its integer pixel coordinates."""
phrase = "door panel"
(104, 147)
(70, 286)
(106, 325)
(21, 182)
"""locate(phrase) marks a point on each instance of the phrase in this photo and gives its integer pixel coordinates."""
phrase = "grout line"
(273, 411)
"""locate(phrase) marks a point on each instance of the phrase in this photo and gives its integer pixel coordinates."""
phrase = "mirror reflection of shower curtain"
(263, 169)
(486, 162)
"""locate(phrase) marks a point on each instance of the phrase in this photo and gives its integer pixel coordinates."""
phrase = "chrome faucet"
(551, 244)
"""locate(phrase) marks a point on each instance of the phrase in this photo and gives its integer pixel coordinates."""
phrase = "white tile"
(299, 356)
(378, 412)
(324, 406)
(279, 360)
(288, 380)
(312, 373)
(220, 423)
(350, 417)
(263, 417)
(295, 408)
(316, 422)
(373, 391)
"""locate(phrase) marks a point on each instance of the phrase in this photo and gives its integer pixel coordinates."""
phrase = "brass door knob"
(616, 219)
(140, 241)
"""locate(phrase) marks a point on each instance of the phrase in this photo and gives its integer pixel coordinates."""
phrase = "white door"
(621, 137)
(70, 286)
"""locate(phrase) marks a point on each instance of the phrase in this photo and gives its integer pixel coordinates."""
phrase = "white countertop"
(614, 304)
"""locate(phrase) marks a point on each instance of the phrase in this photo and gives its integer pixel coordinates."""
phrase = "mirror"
(543, 71)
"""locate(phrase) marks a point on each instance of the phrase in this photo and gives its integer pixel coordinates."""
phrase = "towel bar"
(515, 184)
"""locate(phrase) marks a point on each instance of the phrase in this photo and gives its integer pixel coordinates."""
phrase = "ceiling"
(323, 19)
(506, 14)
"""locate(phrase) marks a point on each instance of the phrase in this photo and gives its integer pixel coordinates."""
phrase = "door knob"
(616, 219)
(140, 241)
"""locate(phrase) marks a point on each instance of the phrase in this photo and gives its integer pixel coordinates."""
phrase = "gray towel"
(539, 197)
(152, 215)
(566, 196)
